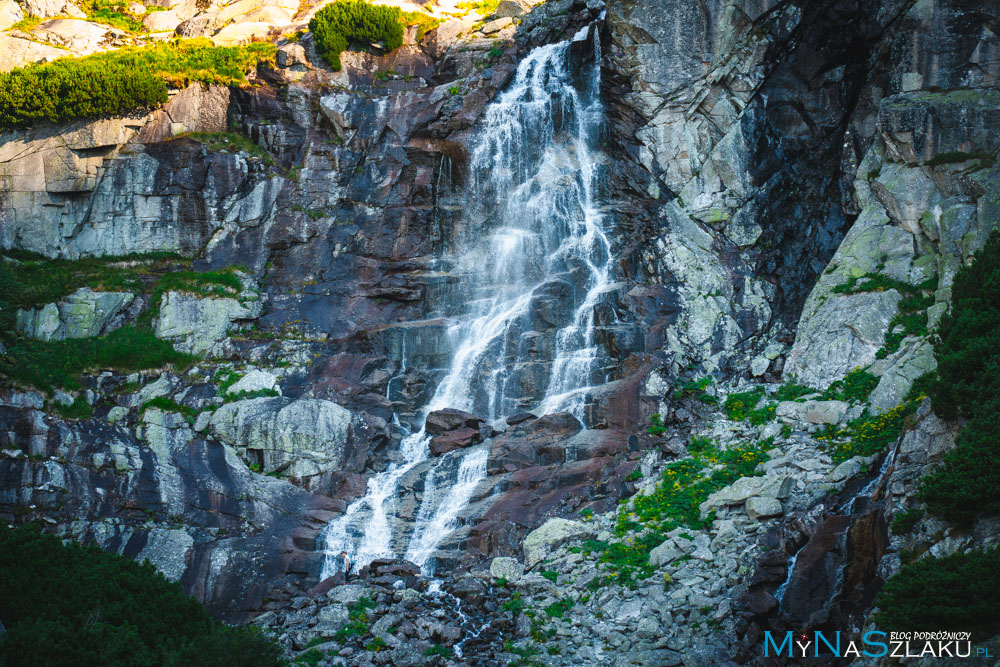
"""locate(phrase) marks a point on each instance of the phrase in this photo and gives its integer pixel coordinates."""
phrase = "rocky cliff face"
(792, 187)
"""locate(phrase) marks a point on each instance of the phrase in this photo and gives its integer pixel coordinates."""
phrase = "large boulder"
(506, 568)
(812, 412)
(449, 419)
(255, 380)
(82, 314)
(739, 491)
(541, 542)
(296, 438)
(200, 325)
(454, 429)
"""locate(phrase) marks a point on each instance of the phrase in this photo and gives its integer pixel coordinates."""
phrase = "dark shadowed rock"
(519, 418)
(449, 419)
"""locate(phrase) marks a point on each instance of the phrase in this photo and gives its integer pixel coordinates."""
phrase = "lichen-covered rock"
(255, 380)
(506, 568)
(82, 314)
(200, 325)
(898, 374)
(812, 412)
(296, 438)
(540, 542)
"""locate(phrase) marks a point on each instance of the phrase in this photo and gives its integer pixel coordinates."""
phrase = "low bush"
(868, 434)
(956, 592)
(855, 387)
(344, 21)
(791, 391)
(78, 409)
(904, 521)
(121, 82)
(738, 406)
(967, 483)
(75, 605)
(968, 342)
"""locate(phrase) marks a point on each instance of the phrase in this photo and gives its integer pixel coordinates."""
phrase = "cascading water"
(535, 276)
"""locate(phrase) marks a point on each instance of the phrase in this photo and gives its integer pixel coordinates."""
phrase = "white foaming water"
(535, 169)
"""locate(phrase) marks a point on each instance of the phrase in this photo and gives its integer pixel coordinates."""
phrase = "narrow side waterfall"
(530, 280)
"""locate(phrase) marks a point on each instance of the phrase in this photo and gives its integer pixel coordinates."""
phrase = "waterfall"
(530, 282)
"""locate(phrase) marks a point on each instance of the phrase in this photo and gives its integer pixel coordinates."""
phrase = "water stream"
(530, 279)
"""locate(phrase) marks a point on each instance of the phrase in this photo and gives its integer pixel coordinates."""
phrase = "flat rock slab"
(812, 412)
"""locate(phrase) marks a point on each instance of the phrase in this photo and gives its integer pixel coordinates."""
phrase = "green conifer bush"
(355, 20)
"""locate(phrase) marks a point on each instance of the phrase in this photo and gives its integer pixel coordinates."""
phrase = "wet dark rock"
(442, 421)
(519, 418)
(457, 439)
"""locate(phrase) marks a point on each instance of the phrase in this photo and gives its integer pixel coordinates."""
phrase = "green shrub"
(437, 649)
(167, 404)
(855, 387)
(968, 342)
(738, 406)
(424, 22)
(904, 521)
(28, 280)
(968, 385)
(344, 21)
(79, 409)
(967, 483)
(868, 434)
(792, 391)
(695, 388)
(675, 501)
(484, 7)
(913, 305)
(76, 605)
(120, 82)
(956, 592)
(657, 427)
(763, 414)
(560, 607)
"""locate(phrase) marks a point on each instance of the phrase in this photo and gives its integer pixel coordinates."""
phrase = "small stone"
(665, 553)
(497, 25)
(845, 470)
(116, 414)
(759, 366)
(773, 351)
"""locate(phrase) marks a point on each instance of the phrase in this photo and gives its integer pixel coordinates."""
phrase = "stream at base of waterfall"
(534, 170)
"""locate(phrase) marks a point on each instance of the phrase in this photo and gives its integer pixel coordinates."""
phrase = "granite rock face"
(82, 314)
(200, 325)
(299, 438)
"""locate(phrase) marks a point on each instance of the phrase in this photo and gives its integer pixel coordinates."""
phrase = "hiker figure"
(347, 563)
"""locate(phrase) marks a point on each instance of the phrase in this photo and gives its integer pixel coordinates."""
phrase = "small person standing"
(346, 560)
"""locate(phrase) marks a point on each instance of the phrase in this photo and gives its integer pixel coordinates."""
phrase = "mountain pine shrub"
(77, 605)
(956, 592)
(967, 349)
(122, 82)
(355, 20)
